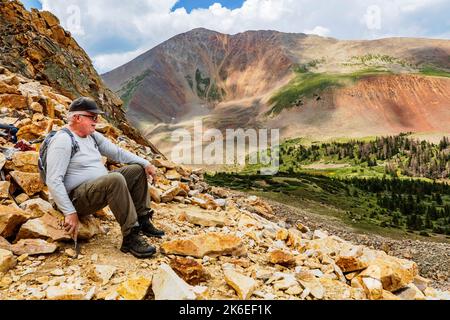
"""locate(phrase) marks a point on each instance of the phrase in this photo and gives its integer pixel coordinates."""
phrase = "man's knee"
(137, 168)
(115, 179)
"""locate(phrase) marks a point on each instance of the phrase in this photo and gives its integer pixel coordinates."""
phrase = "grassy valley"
(396, 184)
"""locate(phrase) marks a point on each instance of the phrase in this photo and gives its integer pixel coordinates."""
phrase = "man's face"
(86, 122)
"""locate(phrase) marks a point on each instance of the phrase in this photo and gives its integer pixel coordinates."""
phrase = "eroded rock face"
(213, 244)
(36, 46)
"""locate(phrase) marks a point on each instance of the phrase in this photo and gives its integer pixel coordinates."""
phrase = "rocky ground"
(433, 258)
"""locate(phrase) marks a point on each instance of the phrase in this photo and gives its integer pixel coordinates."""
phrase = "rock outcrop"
(34, 45)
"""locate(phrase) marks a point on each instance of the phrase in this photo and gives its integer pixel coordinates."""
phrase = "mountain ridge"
(201, 72)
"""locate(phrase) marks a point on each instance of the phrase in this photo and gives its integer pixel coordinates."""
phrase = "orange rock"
(13, 101)
(282, 258)
(189, 270)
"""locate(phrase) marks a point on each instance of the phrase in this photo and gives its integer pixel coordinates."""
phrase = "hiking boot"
(148, 228)
(137, 245)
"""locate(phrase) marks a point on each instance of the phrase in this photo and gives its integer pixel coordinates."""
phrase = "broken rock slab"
(167, 285)
(33, 247)
(212, 244)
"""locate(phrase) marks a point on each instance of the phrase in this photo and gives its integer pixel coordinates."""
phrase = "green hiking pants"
(124, 190)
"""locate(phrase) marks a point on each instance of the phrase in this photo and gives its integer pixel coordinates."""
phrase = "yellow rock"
(134, 288)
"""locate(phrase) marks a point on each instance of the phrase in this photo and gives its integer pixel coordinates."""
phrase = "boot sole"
(137, 254)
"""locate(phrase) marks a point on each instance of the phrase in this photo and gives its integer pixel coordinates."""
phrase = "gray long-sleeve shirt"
(64, 173)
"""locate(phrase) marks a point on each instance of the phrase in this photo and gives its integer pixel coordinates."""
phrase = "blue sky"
(189, 5)
(32, 4)
(205, 4)
(113, 32)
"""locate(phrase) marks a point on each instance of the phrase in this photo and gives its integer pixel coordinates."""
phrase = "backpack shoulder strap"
(95, 140)
(75, 146)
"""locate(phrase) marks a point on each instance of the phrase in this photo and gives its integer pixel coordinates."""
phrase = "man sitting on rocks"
(81, 185)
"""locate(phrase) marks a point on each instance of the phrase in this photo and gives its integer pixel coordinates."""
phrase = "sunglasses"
(93, 117)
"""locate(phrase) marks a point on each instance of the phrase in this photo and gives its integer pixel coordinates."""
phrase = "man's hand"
(71, 223)
(151, 170)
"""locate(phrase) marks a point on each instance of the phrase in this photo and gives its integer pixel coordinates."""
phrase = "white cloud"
(319, 30)
(115, 31)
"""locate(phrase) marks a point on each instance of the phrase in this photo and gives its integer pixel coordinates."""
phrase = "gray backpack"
(42, 162)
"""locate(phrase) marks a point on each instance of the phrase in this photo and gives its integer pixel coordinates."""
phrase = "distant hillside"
(303, 84)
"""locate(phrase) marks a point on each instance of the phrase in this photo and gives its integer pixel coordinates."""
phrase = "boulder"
(89, 227)
(212, 244)
(37, 208)
(168, 195)
(46, 227)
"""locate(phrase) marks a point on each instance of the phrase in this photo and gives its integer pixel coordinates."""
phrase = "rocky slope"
(229, 80)
(218, 245)
(34, 45)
